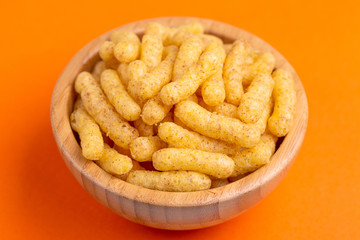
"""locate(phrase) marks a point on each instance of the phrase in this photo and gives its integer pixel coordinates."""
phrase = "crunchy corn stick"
(213, 90)
(106, 53)
(233, 72)
(113, 162)
(99, 67)
(182, 138)
(127, 48)
(151, 50)
(251, 159)
(264, 64)
(118, 96)
(151, 83)
(189, 53)
(143, 148)
(215, 164)
(187, 85)
(285, 100)
(174, 181)
(124, 74)
(154, 111)
(98, 106)
(217, 126)
(255, 99)
(91, 141)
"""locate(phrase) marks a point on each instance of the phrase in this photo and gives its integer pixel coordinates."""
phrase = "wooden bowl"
(169, 210)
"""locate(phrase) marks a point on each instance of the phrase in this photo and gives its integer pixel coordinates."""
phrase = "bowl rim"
(279, 164)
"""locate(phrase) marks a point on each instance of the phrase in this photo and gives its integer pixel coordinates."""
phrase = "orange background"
(319, 197)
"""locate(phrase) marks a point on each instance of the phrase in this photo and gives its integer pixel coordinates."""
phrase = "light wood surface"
(168, 210)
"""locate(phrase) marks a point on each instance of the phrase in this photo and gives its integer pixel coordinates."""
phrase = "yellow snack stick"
(215, 164)
(113, 162)
(99, 67)
(213, 89)
(194, 76)
(182, 138)
(174, 181)
(215, 183)
(91, 141)
(192, 27)
(127, 48)
(262, 123)
(118, 96)
(151, 83)
(144, 129)
(154, 111)
(143, 148)
(226, 109)
(233, 72)
(151, 50)
(158, 29)
(106, 53)
(264, 64)
(217, 126)
(98, 106)
(136, 70)
(124, 74)
(251, 159)
(255, 99)
(227, 47)
(285, 100)
(189, 53)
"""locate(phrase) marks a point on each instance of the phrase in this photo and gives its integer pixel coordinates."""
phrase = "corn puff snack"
(154, 111)
(151, 83)
(182, 138)
(233, 72)
(213, 89)
(285, 100)
(187, 85)
(173, 181)
(255, 99)
(118, 96)
(127, 48)
(217, 126)
(214, 164)
(106, 53)
(99, 67)
(113, 162)
(189, 53)
(143, 148)
(263, 65)
(124, 74)
(151, 50)
(91, 141)
(98, 106)
(251, 159)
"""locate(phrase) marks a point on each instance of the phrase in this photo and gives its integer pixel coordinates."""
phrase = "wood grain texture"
(169, 210)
